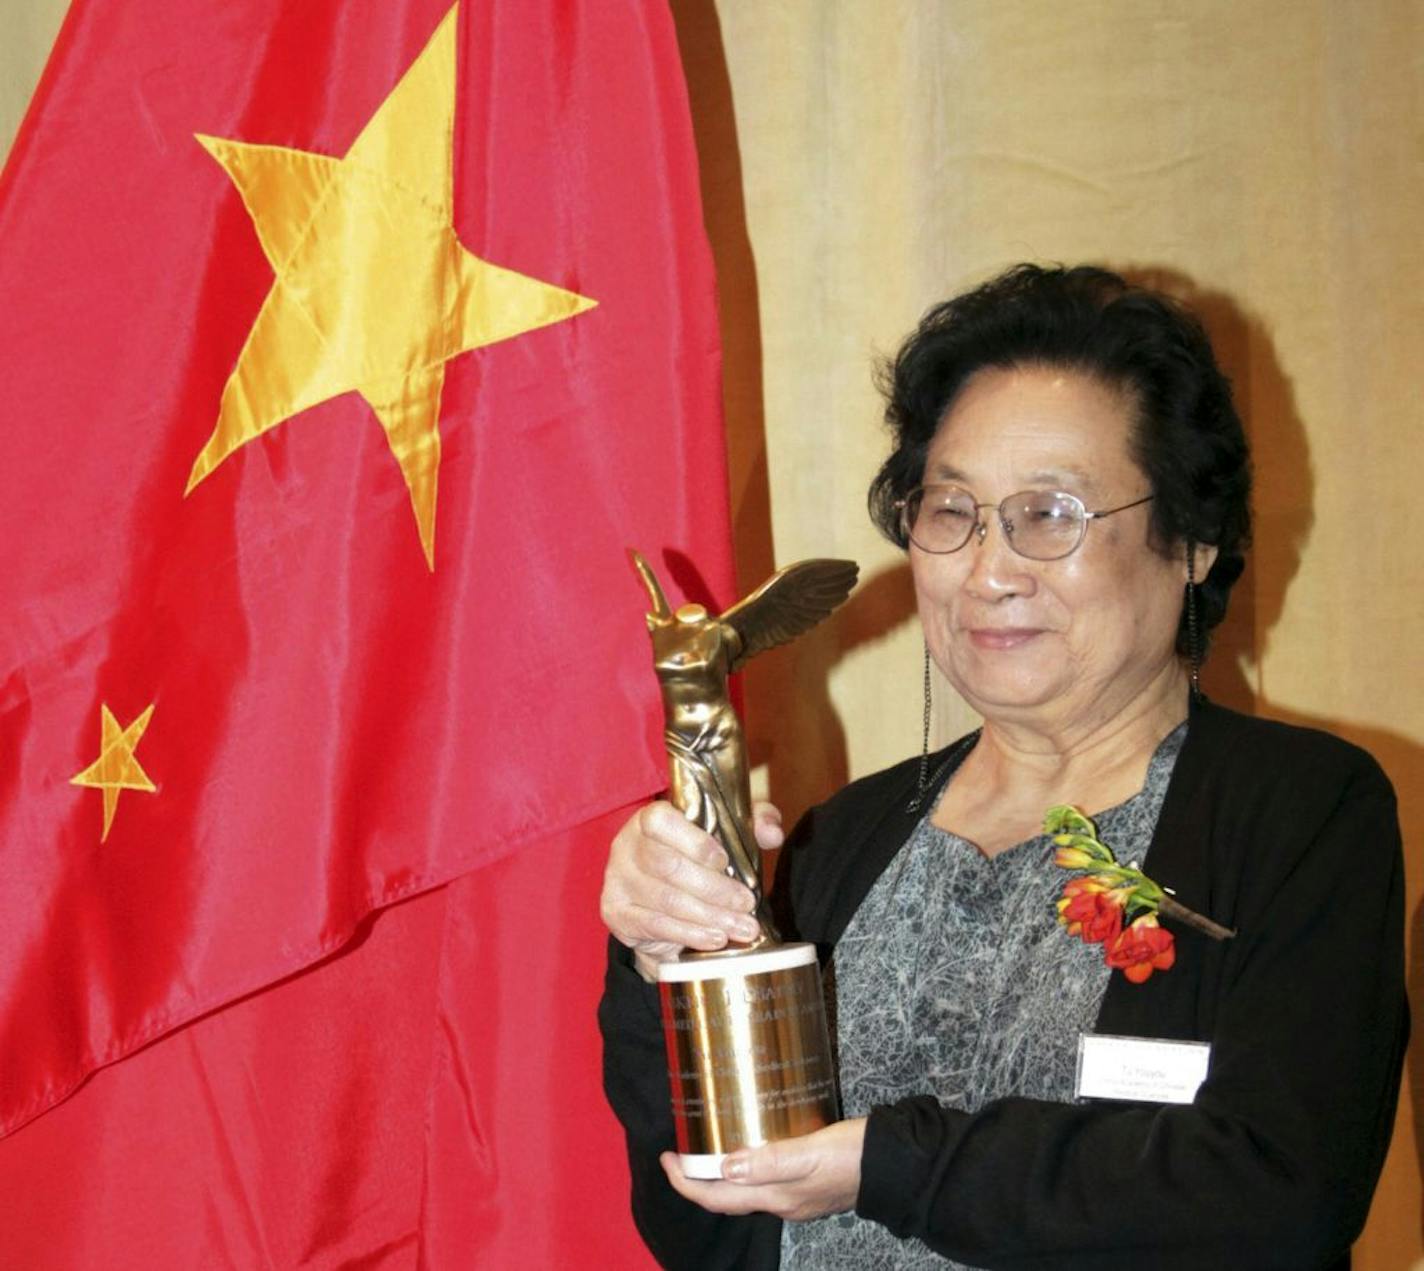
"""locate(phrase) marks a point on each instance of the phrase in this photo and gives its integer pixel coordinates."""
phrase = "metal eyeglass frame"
(980, 528)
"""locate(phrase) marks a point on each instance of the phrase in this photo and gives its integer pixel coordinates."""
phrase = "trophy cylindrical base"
(702, 1164)
(749, 1054)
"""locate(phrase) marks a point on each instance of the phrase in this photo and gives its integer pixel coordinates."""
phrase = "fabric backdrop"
(860, 161)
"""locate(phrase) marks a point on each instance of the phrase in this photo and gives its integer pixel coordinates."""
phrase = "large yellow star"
(373, 291)
(116, 769)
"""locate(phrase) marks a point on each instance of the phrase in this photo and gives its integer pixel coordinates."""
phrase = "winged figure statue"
(693, 654)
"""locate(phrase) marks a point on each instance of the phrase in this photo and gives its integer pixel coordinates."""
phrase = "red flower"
(1092, 909)
(1141, 949)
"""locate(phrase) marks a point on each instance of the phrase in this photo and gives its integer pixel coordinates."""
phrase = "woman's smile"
(1002, 639)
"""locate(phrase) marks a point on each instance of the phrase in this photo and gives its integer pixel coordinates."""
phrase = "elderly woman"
(1070, 480)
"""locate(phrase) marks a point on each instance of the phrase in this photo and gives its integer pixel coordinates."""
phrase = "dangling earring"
(930, 780)
(925, 735)
(923, 782)
(1194, 647)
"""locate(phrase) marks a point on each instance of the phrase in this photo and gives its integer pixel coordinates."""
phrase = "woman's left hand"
(796, 1178)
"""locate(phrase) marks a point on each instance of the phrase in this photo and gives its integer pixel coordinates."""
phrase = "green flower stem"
(1071, 829)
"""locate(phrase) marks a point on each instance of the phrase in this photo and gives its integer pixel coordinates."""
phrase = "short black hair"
(1187, 437)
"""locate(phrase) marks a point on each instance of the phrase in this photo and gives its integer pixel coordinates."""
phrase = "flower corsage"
(1116, 905)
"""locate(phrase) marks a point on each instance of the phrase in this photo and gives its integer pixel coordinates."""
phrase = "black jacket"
(1286, 834)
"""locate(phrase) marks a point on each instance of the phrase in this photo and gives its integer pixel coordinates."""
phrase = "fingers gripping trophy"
(749, 1056)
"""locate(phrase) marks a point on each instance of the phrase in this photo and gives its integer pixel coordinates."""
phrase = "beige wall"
(864, 159)
(27, 29)
(1263, 160)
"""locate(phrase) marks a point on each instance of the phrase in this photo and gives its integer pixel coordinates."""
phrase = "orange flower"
(1092, 908)
(1141, 949)
(1095, 906)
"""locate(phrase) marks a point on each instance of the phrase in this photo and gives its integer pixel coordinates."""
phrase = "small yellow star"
(116, 768)
(373, 290)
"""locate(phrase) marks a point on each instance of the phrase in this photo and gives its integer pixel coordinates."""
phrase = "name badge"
(1142, 1069)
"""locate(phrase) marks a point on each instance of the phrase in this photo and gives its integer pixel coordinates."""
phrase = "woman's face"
(1063, 643)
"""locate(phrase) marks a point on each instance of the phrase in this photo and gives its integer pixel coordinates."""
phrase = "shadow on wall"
(1284, 483)
(1284, 516)
(791, 724)
(804, 745)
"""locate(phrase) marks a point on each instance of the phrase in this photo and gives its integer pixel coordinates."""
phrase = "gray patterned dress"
(955, 979)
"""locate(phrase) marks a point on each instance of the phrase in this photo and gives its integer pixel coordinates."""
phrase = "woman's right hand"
(665, 888)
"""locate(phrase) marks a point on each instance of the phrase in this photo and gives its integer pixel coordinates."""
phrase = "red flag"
(344, 351)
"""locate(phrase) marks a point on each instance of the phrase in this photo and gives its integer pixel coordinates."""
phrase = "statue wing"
(791, 601)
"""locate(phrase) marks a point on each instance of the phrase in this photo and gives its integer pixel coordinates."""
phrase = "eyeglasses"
(1039, 524)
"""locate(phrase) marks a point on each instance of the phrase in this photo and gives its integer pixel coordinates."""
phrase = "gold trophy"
(749, 1054)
